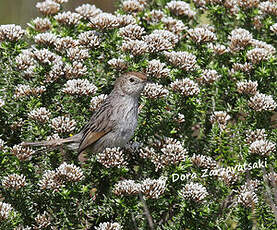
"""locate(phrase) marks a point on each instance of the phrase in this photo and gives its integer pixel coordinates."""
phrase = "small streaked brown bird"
(112, 124)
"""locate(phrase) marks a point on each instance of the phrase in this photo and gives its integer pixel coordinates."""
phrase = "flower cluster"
(79, 87)
(203, 161)
(56, 179)
(221, 118)
(109, 226)
(209, 76)
(77, 54)
(89, 39)
(172, 153)
(5, 210)
(157, 69)
(68, 18)
(129, 187)
(181, 8)
(239, 39)
(182, 59)
(186, 87)
(131, 32)
(154, 16)
(218, 49)
(64, 43)
(41, 24)
(97, 101)
(248, 4)
(229, 177)
(25, 60)
(45, 38)
(268, 7)
(247, 196)
(48, 7)
(262, 147)
(260, 44)
(247, 87)
(21, 227)
(132, 6)
(194, 191)
(257, 55)
(74, 70)
(2, 144)
(272, 177)
(261, 102)
(246, 67)
(14, 181)
(118, 63)
(160, 40)
(180, 118)
(112, 157)
(70, 172)
(151, 188)
(44, 56)
(22, 153)
(104, 21)
(135, 47)
(63, 124)
(88, 11)
(41, 114)
(255, 135)
(11, 32)
(258, 144)
(42, 221)
(173, 25)
(273, 28)
(50, 180)
(2, 102)
(200, 35)
(154, 90)
(124, 20)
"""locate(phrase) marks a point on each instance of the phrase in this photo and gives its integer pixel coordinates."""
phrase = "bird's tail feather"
(52, 143)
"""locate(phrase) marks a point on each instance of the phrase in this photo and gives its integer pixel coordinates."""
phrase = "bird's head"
(131, 83)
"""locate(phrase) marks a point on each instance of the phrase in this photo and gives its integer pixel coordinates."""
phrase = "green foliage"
(241, 201)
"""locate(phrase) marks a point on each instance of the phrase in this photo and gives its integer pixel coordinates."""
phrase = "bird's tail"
(53, 143)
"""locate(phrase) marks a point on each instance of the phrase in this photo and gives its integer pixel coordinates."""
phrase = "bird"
(112, 124)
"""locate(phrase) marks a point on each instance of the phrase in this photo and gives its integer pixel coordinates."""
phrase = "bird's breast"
(126, 121)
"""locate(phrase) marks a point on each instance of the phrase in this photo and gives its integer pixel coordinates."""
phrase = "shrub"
(203, 155)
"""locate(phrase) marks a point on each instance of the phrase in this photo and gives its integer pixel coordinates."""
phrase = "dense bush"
(203, 155)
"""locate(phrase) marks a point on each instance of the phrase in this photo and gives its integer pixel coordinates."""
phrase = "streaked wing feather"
(91, 138)
(98, 126)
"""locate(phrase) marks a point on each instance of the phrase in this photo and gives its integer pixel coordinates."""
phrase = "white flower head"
(79, 87)
(112, 157)
(154, 90)
(14, 181)
(185, 86)
(11, 32)
(201, 35)
(88, 11)
(261, 102)
(194, 191)
(181, 8)
(63, 124)
(153, 188)
(182, 59)
(48, 7)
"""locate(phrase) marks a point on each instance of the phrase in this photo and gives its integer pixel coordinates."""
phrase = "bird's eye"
(131, 79)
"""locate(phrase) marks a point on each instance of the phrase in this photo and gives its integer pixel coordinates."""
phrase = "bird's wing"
(98, 126)
(91, 138)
